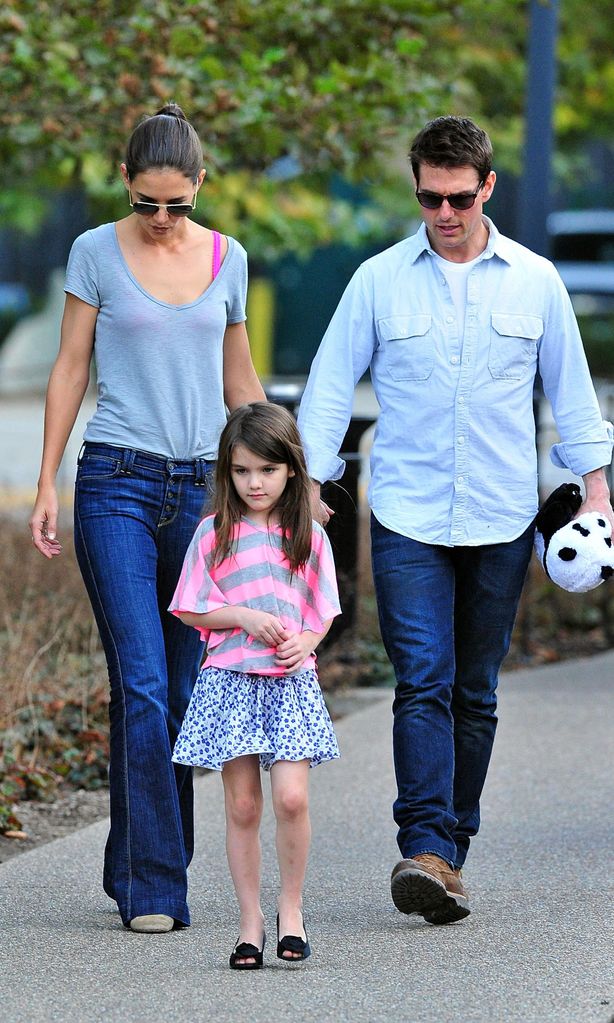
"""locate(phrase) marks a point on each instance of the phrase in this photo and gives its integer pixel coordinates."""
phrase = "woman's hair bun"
(165, 140)
(172, 110)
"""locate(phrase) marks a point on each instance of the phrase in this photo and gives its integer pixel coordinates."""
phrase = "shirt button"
(449, 319)
(460, 479)
(454, 360)
(461, 440)
(461, 400)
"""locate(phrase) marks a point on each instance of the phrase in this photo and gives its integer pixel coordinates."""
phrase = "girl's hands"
(292, 651)
(44, 521)
(263, 626)
(292, 648)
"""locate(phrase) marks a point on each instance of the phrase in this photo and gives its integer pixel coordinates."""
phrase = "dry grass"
(49, 645)
(53, 691)
(53, 696)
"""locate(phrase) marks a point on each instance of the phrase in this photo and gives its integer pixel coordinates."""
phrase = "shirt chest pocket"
(407, 345)
(513, 344)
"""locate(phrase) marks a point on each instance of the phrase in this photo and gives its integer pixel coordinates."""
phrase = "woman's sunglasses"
(458, 201)
(174, 209)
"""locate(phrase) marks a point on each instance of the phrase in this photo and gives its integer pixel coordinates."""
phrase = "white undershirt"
(456, 275)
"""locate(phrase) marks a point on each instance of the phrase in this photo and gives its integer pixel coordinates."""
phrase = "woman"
(161, 302)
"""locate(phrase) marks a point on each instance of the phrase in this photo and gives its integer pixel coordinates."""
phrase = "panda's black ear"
(607, 571)
(558, 509)
(567, 554)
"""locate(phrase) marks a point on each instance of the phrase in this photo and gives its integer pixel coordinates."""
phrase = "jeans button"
(171, 466)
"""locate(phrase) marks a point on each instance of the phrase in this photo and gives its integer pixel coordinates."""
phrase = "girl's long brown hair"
(269, 431)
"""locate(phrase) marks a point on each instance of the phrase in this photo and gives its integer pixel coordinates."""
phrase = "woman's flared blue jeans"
(446, 617)
(135, 514)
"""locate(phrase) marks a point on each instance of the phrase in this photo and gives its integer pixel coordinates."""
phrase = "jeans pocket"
(97, 467)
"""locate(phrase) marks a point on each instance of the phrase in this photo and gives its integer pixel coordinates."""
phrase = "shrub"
(53, 697)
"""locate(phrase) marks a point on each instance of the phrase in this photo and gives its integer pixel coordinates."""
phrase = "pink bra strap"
(217, 244)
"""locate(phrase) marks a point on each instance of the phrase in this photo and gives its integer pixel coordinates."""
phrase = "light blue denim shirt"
(454, 455)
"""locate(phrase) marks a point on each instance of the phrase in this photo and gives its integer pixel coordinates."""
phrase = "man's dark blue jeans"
(446, 616)
(135, 514)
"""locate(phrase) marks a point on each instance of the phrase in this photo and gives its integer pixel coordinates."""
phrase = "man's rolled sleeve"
(585, 456)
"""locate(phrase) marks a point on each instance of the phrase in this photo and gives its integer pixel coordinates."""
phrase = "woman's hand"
(44, 522)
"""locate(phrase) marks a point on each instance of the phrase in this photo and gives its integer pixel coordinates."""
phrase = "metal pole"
(535, 189)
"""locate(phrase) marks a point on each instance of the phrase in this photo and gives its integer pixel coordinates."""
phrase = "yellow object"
(260, 319)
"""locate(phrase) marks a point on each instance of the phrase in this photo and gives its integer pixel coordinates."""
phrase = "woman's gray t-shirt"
(159, 366)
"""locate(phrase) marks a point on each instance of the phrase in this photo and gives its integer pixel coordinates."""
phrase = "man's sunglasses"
(458, 201)
(174, 209)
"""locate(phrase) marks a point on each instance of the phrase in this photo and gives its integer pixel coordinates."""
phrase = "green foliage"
(586, 95)
(260, 78)
(597, 330)
(337, 87)
(53, 734)
(19, 781)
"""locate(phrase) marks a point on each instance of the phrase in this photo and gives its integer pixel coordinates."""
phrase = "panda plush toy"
(577, 554)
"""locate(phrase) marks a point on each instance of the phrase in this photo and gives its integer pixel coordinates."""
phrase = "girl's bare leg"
(243, 804)
(291, 805)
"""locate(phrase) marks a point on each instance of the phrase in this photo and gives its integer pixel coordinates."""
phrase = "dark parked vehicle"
(582, 248)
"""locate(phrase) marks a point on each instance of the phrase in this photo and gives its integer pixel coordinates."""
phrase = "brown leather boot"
(429, 886)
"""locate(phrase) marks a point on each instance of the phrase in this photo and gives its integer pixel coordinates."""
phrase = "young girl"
(258, 582)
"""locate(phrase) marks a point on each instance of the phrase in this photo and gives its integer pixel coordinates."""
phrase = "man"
(453, 322)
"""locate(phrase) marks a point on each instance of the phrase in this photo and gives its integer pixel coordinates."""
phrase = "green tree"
(491, 70)
(334, 87)
(327, 85)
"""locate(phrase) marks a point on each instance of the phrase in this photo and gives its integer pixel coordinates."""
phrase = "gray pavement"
(21, 441)
(536, 949)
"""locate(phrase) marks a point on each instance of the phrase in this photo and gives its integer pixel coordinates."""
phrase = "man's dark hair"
(452, 142)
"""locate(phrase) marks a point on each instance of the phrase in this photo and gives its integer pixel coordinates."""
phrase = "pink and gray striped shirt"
(256, 575)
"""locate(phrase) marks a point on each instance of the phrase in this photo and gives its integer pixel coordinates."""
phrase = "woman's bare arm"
(67, 386)
(241, 384)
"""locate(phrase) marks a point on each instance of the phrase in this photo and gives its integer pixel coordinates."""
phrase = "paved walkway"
(536, 949)
(21, 441)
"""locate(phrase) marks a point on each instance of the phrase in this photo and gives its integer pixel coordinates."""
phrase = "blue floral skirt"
(232, 714)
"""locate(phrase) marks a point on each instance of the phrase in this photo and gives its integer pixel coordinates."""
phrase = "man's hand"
(597, 496)
(319, 509)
